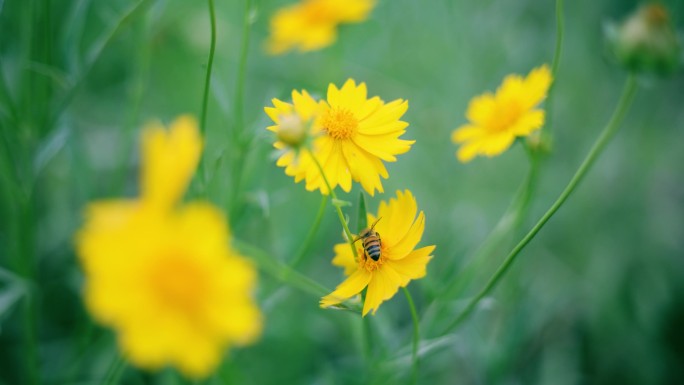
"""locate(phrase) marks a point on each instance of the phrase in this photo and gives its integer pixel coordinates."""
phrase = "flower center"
(340, 123)
(507, 115)
(178, 283)
(365, 262)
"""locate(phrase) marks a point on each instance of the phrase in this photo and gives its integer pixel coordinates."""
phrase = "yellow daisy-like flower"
(351, 133)
(497, 119)
(312, 24)
(164, 277)
(399, 231)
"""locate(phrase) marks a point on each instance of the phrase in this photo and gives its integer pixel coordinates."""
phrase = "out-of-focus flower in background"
(495, 120)
(312, 24)
(351, 136)
(163, 275)
(646, 41)
(399, 231)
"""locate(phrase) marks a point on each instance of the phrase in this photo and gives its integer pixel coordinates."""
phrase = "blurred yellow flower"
(164, 277)
(399, 231)
(312, 24)
(351, 136)
(497, 119)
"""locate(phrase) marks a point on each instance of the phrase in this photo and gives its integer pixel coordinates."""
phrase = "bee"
(371, 241)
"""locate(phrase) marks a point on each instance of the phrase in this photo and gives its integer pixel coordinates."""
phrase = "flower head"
(647, 41)
(497, 119)
(166, 279)
(312, 24)
(399, 231)
(352, 135)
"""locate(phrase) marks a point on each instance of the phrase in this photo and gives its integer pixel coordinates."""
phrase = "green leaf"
(362, 221)
(12, 289)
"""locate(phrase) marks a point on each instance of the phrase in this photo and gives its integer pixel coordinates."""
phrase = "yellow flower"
(312, 24)
(164, 277)
(399, 263)
(496, 120)
(352, 135)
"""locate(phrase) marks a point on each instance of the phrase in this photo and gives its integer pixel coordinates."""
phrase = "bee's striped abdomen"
(372, 246)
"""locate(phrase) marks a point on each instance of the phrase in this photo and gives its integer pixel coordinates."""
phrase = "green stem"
(416, 335)
(115, 371)
(607, 133)
(238, 141)
(508, 224)
(207, 82)
(285, 273)
(340, 215)
(312, 233)
(555, 64)
(242, 66)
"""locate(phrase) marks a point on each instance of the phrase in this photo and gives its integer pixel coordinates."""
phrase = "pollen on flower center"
(178, 283)
(368, 263)
(340, 123)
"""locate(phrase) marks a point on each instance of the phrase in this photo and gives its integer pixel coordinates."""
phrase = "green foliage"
(595, 298)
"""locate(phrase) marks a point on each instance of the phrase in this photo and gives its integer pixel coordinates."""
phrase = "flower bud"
(540, 142)
(292, 130)
(646, 41)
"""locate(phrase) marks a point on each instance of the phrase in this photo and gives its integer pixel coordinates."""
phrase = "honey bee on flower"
(351, 135)
(397, 263)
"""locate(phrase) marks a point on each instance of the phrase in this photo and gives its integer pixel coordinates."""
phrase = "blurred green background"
(596, 298)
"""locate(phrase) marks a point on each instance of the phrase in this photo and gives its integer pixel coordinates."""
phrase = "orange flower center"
(507, 115)
(178, 283)
(340, 123)
(366, 262)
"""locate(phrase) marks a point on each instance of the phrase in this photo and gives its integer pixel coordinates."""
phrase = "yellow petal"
(384, 147)
(344, 258)
(169, 160)
(402, 248)
(348, 288)
(467, 132)
(468, 151)
(365, 168)
(528, 123)
(397, 217)
(383, 285)
(414, 264)
(496, 144)
(385, 118)
(536, 86)
(481, 108)
(305, 106)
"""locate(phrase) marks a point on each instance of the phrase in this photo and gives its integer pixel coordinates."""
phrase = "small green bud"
(292, 130)
(646, 41)
(540, 142)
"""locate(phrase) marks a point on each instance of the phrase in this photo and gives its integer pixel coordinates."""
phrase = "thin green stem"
(340, 215)
(242, 66)
(607, 133)
(555, 64)
(508, 224)
(240, 143)
(304, 248)
(416, 334)
(207, 83)
(286, 274)
(115, 371)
